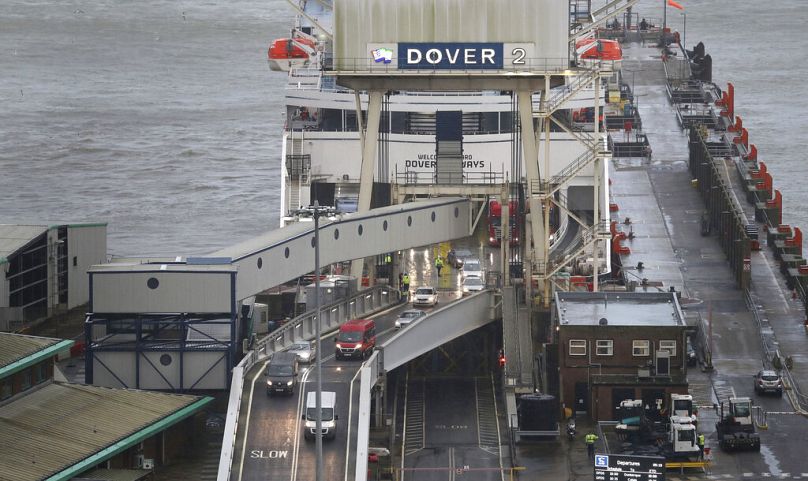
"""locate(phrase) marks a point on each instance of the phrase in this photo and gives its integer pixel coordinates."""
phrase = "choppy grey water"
(161, 117)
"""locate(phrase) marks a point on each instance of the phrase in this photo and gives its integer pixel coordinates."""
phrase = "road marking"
(272, 454)
(296, 445)
(350, 411)
(247, 424)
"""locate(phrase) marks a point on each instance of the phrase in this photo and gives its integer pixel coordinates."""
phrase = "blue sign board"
(450, 56)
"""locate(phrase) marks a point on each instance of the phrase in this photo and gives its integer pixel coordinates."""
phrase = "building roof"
(18, 351)
(61, 430)
(15, 237)
(619, 309)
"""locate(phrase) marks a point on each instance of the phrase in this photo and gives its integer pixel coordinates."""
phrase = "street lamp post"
(684, 32)
(318, 369)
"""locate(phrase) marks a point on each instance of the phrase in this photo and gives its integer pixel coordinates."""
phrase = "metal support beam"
(596, 217)
(530, 151)
(371, 133)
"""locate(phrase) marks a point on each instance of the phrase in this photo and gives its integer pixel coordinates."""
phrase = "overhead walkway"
(274, 258)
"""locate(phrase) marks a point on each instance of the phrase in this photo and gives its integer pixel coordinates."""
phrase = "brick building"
(619, 345)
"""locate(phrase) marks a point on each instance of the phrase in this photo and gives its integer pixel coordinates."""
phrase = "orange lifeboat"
(592, 50)
(287, 53)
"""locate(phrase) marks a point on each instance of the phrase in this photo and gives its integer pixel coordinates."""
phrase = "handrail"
(773, 352)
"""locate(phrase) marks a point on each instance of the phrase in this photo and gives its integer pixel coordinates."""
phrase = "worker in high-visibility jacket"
(438, 264)
(590, 444)
(700, 443)
(405, 286)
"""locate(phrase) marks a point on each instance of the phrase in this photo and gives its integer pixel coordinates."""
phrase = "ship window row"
(605, 347)
(411, 123)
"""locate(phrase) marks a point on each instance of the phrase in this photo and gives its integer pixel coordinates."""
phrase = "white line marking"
(404, 430)
(350, 411)
(247, 424)
(499, 435)
(296, 446)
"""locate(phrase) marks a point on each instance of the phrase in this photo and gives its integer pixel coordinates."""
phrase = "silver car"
(409, 316)
(472, 284)
(425, 296)
(305, 351)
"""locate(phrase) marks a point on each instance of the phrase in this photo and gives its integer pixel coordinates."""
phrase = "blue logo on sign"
(446, 56)
(601, 461)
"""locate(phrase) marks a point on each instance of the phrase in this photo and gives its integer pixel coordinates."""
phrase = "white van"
(472, 268)
(328, 405)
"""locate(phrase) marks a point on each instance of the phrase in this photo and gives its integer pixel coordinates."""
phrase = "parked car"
(768, 381)
(305, 351)
(472, 284)
(425, 296)
(472, 268)
(408, 317)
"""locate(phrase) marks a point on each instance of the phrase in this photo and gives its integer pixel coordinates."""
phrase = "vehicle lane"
(454, 444)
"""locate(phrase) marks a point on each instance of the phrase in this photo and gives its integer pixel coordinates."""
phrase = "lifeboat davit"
(288, 53)
(591, 50)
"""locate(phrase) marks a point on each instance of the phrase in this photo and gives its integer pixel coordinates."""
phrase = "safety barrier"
(722, 208)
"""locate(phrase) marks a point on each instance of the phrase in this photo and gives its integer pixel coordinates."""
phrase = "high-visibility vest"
(388, 259)
(405, 279)
(590, 438)
(700, 440)
(438, 262)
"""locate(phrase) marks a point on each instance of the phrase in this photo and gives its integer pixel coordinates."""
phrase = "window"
(641, 348)
(604, 347)
(5, 389)
(26, 379)
(669, 346)
(41, 373)
(577, 347)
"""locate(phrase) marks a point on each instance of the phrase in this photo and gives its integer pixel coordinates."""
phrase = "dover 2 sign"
(461, 56)
(450, 56)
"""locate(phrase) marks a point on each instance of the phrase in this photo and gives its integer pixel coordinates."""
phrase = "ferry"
(321, 146)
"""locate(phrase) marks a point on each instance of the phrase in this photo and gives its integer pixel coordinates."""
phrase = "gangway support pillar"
(596, 216)
(531, 153)
(369, 141)
(505, 228)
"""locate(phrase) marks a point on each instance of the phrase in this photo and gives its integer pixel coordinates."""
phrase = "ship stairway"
(599, 18)
(298, 167)
(517, 338)
(542, 189)
(588, 237)
(582, 136)
(577, 84)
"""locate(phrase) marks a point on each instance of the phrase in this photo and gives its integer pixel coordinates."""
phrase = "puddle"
(771, 461)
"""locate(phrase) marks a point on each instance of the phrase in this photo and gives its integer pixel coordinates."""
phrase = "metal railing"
(540, 66)
(410, 177)
(771, 352)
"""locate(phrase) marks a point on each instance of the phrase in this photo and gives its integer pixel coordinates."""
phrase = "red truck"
(495, 223)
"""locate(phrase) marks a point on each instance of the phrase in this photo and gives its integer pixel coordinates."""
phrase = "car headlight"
(339, 346)
(359, 345)
(491, 239)
(269, 383)
(305, 355)
(465, 288)
(289, 383)
(398, 323)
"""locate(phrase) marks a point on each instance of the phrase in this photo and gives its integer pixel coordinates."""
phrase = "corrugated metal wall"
(88, 245)
(127, 292)
(357, 23)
